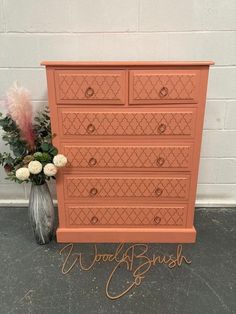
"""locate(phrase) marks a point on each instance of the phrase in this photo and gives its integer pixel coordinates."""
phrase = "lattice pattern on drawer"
(104, 86)
(123, 123)
(123, 216)
(178, 86)
(93, 188)
(128, 156)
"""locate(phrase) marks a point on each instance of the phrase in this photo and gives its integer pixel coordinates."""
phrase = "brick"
(59, 47)
(222, 82)
(214, 114)
(18, 50)
(2, 23)
(219, 47)
(38, 106)
(187, 15)
(207, 170)
(104, 16)
(216, 194)
(29, 50)
(103, 47)
(217, 170)
(134, 47)
(230, 117)
(37, 16)
(11, 191)
(72, 15)
(218, 143)
(33, 79)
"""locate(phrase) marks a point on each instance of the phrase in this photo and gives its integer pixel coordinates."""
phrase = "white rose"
(22, 174)
(50, 170)
(60, 160)
(35, 167)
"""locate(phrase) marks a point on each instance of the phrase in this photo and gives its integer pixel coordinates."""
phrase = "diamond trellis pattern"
(127, 123)
(128, 156)
(148, 86)
(134, 216)
(128, 187)
(105, 86)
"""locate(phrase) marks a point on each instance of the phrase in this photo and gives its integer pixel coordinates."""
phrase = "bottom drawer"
(159, 216)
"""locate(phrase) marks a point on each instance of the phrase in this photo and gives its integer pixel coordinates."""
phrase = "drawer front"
(137, 157)
(168, 86)
(90, 87)
(161, 123)
(95, 216)
(116, 187)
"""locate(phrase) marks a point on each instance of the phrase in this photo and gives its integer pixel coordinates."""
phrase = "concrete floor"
(31, 280)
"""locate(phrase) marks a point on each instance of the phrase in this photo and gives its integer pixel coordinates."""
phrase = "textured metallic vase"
(41, 213)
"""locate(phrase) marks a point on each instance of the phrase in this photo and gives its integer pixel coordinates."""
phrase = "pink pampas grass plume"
(20, 110)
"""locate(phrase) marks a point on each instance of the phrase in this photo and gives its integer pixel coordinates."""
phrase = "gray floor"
(31, 280)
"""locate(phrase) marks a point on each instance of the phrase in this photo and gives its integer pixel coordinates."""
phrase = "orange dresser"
(132, 134)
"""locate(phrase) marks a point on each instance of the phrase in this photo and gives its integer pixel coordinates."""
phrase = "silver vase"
(41, 213)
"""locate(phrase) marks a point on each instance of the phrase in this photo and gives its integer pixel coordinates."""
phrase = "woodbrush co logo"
(135, 260)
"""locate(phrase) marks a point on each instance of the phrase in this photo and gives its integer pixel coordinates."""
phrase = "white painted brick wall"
(32, 30)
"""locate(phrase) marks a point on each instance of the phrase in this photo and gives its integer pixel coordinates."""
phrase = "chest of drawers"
(132, 134)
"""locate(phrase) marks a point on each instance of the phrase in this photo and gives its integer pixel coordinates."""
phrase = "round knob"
(158, 192)
(90, 128)
(93, 192)
(160, 161)
(163, 92)
(92, 162)
(162, 128)
(89, 92)
(157, 220)
(94, 220)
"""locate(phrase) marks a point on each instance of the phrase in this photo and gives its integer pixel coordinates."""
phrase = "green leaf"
(45, 147)
(53, 151)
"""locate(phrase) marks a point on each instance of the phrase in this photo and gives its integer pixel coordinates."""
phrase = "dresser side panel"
(56, 142)
(197, 144)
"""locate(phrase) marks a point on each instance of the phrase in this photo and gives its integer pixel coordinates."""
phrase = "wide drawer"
(126, 187)
(90, 87)
(132, 216)
(174, 157)
(161, 123)
(164, 86)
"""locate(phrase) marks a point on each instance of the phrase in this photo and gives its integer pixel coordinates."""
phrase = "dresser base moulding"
(120, 235)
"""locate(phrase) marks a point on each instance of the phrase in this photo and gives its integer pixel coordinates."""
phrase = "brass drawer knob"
(163, 92)
(90, 128)
(89, 92)
(93, 192)
(94, 220)
(157, 220)
(161, 128)
(158, 192)
(92, 162)
(160, 161)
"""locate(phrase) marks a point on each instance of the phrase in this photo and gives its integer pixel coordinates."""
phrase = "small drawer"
(175, 157)
(95, 188)
(132, 216)
(90, 87)
(158, 123)
(164, 86)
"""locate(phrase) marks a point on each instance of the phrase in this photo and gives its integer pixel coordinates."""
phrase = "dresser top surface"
(126, 63)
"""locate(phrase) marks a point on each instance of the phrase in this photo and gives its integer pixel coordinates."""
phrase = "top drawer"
(90, 87)
(164, 86)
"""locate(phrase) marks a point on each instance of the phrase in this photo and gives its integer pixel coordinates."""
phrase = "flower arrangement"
(34, 157)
